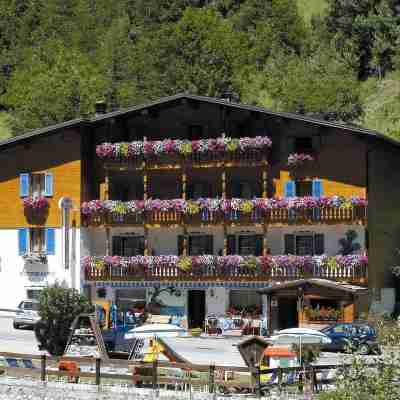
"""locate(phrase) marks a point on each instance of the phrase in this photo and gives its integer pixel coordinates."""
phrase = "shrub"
(58, 307)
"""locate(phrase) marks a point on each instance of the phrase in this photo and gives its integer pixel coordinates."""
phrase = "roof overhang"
(164, 101)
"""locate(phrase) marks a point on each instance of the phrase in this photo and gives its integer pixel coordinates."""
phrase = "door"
(196, 308)
(288, 316)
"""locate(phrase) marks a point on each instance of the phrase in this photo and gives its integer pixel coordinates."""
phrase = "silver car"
(27, 314)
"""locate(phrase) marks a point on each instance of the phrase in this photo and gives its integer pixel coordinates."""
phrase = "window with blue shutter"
(290, 189)
(317, 188)
(24, 185)
(50, 241)
(23, 237)
(48, 184)
(317, 191)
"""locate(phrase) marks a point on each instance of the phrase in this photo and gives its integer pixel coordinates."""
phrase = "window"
(197, 244)
(37, 240)
(195, 132)
(128, 246)
(303, 145)
(304, 244)
(304, 188)
(197, 190)
(248, 300)
(250, 245)
(37, 184)
(200, 244)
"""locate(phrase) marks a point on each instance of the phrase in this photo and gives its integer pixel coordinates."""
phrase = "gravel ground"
(25, 389)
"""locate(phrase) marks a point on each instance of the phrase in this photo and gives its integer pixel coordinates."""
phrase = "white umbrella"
(294, 335)
(152, 330)
(300, 336)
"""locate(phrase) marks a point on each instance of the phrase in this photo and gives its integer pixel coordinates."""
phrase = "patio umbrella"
(294, 335)
(299, 336)
(155, 330)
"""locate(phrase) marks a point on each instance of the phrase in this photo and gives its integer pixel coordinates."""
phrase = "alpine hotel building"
(214, 199)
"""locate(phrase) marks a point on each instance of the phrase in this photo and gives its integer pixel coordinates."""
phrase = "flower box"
(297, 160)
(37, 204)
(187, 148)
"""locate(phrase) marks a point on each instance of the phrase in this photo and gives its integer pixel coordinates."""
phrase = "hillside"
(343, 66)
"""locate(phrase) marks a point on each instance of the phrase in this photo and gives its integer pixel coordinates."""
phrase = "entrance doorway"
(288, 315)
(196, 308)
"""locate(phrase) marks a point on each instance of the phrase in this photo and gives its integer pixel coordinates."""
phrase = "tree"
(53, 84)
(370, 28)
(58, 307)
(199, 54)
(318, 84)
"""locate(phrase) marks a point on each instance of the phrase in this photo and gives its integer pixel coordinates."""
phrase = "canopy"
(300, 336)
(152, 330)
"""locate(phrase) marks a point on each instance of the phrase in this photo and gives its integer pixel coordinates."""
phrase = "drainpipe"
(65, 205)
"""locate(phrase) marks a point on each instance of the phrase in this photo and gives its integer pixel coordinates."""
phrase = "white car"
(27, 314)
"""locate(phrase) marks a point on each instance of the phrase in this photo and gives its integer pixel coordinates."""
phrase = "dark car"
(359, 337)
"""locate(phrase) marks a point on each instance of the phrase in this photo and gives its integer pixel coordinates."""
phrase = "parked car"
(27, 314)
(359, 337)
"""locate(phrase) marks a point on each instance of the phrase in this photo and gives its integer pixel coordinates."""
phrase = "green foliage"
(370, 29)
(361, 381)
(58, 58)
(382, 104)
(58, 307)
(308, 354)
(319, 84)
(5, 128)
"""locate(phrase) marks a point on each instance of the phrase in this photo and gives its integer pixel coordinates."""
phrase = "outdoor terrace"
(352, 268)
(173, 153)
(225, 211)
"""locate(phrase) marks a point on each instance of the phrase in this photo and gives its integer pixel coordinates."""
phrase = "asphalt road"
(24, 341)
(17, 340)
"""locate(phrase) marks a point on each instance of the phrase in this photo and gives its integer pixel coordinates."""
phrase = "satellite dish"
(65, 202)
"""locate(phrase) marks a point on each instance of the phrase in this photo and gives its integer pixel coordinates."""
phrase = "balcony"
(306, 210)
(352, 268)
(172, 153)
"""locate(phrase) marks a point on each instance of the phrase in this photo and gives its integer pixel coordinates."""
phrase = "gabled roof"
(211, 100)
(323, 283)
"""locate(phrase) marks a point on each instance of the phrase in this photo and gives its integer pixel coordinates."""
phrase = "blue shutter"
(290, 189)
(50, 241)
(48, 184)
(23, 185)
(23, 236)
(317, 189)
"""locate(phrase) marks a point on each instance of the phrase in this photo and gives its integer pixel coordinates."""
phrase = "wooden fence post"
(98, 366)
(43, 368)
(211, 379)
(280, 378)
(154, 375)
(258, 381)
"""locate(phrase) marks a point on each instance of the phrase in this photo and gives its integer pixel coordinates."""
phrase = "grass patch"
(310, 8)
(5, 128)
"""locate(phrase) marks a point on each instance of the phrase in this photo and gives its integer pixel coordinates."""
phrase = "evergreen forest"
(337, 60)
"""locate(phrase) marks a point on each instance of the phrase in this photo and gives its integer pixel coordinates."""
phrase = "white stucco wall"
(14, 281)
(164, 240)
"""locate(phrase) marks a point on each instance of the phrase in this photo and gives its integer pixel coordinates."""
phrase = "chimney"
(230, 96)
(100, 107)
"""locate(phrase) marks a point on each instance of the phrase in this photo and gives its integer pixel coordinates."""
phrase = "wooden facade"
(349, 162)
(59, 154)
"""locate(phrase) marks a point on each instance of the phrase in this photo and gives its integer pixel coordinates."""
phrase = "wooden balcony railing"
(334, 215)
(270, 268)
